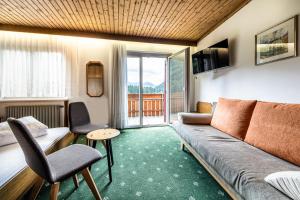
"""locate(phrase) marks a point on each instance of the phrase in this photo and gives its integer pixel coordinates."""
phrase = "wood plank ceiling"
(164, 21)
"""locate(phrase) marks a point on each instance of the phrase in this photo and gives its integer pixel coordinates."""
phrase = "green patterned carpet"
(148, 165)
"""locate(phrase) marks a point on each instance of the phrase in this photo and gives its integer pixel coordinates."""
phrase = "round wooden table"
(104, 135)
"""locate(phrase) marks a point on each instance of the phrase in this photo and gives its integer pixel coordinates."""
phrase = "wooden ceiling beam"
(99, 35)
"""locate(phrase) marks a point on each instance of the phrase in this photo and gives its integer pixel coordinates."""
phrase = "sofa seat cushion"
(275, 128)
(233, 116)
(241, 165)
(12, 157)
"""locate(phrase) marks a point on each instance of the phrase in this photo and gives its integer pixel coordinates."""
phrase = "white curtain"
(118, 87)
(33, 65)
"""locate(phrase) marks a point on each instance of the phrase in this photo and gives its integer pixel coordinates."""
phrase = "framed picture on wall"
(277, 43)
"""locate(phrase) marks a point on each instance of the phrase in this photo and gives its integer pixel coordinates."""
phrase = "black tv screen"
(213, 57)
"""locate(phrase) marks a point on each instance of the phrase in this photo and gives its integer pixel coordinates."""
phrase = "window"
(32, 69)
(32, 74)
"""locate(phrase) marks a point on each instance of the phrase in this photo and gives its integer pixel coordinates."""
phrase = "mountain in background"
(148, 88)
(146, 84)
(160, 87)
(133, 83)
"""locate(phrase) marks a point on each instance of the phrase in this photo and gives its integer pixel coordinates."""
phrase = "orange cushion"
(275, 128)
(233, 116)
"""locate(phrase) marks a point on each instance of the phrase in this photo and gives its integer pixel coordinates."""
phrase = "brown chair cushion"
(275, 128)
(233, 116)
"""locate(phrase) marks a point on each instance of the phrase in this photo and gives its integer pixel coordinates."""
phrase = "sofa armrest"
(195, 118)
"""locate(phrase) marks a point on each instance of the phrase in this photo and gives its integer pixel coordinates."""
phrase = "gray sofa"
(239, 167)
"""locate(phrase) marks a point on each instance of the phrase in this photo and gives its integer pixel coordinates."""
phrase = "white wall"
(278, 81)
(100, 50)
(91, 50)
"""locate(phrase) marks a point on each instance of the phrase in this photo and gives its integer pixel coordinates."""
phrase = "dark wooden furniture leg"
(108, 159)
(94, 144)
(111, 153)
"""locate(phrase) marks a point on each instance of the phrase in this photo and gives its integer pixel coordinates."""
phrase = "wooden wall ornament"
(94, 79)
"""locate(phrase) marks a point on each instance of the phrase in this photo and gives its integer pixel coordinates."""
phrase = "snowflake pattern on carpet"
(148, 165)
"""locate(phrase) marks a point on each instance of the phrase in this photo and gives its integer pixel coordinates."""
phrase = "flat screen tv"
(211, 58)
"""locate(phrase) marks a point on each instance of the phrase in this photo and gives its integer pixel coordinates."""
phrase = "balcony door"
(178, 79)
(146, 75)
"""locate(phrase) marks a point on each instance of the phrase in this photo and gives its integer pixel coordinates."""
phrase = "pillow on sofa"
(36, 127)
(195, 118)
(275, 128)
(233, 116)
(287, 182)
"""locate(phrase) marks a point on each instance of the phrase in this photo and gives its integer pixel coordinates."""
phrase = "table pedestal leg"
(111, 154)
(108, 152)
(94, 144)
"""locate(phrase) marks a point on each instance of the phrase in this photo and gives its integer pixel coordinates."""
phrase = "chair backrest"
(78, 114)
(34, 155)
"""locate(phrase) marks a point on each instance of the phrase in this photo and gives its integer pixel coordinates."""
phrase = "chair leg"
(36, 188)
(54, 191)
(75, 180)
(182, 146)
(89, 180)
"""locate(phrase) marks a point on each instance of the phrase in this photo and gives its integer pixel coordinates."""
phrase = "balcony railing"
(153, 105)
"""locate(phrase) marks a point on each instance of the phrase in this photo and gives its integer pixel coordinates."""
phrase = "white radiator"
(47, 114)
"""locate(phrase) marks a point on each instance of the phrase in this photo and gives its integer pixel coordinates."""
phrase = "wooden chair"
(59, 165)
(80, 123)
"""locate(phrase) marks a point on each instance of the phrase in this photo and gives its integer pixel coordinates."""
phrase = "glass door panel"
(133, 87)
(177, 84)
(153, 93)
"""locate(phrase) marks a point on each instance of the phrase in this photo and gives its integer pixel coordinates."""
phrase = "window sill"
(3, 100)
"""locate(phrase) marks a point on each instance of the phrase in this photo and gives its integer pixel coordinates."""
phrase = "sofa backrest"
(233, 116)
(275, 128)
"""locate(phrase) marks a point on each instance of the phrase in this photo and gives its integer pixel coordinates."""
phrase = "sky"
(153, 70)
